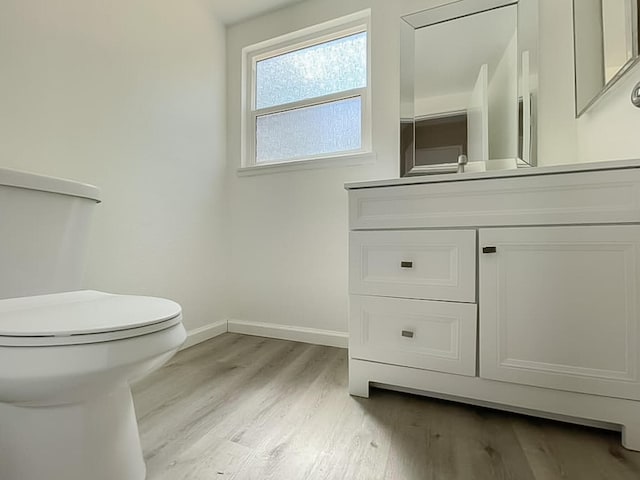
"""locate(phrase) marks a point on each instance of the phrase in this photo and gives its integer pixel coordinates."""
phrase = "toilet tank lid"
(44, 183)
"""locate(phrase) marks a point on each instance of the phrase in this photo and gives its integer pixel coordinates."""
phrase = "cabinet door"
(559, 308)
(432, 265)
(414, 333)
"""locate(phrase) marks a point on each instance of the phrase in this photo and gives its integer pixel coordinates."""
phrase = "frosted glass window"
(323, 69)
(305, 132)
(306, 96)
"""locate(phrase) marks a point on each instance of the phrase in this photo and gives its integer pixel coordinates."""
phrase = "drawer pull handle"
(406, 264)
(489, 249)
(407, 333)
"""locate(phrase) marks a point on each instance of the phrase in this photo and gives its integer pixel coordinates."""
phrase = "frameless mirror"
(606, 46)
(465, 88)
(528, 28)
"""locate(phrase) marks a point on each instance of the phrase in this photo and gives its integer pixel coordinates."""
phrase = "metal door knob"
(635, 95)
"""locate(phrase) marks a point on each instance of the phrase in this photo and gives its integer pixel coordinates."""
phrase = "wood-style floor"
(245, 407)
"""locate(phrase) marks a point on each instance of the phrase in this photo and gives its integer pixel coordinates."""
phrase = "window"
(306, 94)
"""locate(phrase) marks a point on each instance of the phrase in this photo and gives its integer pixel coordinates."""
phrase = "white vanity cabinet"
(516, 289)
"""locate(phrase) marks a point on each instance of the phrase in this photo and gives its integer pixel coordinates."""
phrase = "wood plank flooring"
(242, 407)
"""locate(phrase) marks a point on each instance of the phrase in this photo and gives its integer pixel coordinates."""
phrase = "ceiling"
(233, 11)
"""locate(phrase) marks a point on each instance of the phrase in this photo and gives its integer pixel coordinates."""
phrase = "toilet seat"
(82, 317)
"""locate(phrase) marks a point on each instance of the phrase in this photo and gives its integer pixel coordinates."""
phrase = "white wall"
(128, 95)
(609, 131)
(289, 230)
(589, 56)
(503, 98)
(557, 127)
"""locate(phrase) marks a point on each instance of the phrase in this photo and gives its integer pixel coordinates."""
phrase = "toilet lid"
(82, 317)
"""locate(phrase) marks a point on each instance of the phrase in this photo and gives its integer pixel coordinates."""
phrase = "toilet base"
(96, 439)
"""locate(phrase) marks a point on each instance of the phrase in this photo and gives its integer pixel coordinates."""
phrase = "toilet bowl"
(66, 364)
(68, 356)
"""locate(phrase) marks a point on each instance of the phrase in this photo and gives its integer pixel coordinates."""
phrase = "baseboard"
(203, 333)
(317, 336)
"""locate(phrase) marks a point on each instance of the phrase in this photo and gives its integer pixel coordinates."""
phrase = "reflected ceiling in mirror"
(450, 55)
(606, 44)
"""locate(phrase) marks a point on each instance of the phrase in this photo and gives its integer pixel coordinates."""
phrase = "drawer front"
(571, 198)
(421, 334)
(431, 265)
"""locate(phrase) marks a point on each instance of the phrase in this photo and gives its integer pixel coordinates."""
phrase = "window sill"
(310, 164)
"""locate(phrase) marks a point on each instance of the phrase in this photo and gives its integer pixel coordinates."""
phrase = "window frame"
(315, 35)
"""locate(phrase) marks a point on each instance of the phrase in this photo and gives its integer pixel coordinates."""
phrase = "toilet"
(68, 356)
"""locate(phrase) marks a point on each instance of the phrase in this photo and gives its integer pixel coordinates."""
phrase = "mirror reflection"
(461, 93)
(606, 45)
(528, 28)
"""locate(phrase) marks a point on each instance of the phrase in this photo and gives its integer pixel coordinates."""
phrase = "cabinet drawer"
(431, 265)
(414, 333)
(605, 196)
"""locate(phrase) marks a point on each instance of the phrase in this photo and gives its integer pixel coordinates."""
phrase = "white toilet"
(67, 357)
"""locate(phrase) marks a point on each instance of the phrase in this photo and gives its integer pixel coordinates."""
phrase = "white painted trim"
(200, 334)
(312, 35)
(347, 160)
(309, 34)
(316, 336)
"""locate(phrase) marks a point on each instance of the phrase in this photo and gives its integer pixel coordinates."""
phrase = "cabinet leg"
(631, 436)
(359, 388)
(358, 381)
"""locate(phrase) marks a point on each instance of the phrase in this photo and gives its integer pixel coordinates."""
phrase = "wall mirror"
(606, 45)
(466, 88)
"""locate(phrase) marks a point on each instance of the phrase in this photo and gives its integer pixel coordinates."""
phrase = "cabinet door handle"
(407, 333)
(406, 264)
(489, 249)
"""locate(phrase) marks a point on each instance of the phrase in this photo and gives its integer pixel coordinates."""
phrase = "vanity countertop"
(519, 172)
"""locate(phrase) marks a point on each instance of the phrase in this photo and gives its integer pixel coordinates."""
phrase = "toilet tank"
(44, 225)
